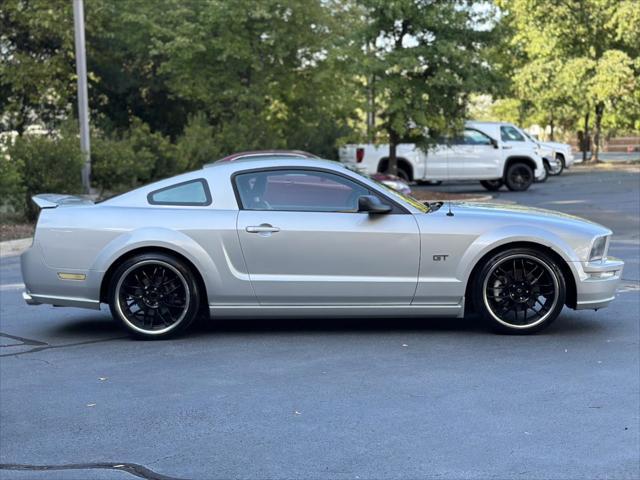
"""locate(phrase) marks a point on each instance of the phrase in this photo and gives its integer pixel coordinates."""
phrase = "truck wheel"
(560, 168)
(492, 185)
(547, 170)
(519, 177)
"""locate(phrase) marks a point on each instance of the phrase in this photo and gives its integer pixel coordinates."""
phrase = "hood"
(557, 145)
(499, 215)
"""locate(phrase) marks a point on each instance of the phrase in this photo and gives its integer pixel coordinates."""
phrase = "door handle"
(262, 228)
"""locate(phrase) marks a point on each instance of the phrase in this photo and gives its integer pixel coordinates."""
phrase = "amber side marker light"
(71, 276)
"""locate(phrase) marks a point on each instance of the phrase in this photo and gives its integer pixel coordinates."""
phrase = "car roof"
(486, 122)
(248, 163)
(266, 153)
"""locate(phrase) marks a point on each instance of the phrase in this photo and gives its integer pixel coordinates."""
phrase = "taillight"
(359, 155)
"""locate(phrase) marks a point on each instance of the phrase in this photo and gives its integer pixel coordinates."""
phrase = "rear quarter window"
(190, 193)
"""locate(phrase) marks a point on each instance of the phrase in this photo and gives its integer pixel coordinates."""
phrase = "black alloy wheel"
(154, 295)
(519, 177)
(520, 291)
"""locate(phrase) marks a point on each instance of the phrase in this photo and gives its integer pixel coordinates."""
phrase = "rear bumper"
(597, 287)
(44, 285)
(29, 300)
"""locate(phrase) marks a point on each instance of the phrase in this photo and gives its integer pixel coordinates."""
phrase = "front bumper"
(598, 283)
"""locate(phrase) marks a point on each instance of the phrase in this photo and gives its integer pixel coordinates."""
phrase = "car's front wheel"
(154, 295)
(519, 177)
(519, 291)
(558, 170)
(547, 169)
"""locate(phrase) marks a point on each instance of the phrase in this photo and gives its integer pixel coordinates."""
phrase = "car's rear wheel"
(492, 185)
(519, 291)
(519, 177)
(154, 295)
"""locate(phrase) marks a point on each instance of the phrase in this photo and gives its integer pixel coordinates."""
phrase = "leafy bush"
(46, 165)
(152, 149)
(197, 145)
(11, 185)
(115, 166)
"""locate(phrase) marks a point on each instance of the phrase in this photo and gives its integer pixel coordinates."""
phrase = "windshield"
(394, 193)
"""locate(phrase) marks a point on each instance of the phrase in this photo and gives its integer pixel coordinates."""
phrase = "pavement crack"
(41, 346)
(135, 469)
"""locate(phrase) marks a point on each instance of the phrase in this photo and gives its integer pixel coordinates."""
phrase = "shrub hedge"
(119, 162)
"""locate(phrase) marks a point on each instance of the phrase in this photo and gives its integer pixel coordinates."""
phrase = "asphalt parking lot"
(334, 399)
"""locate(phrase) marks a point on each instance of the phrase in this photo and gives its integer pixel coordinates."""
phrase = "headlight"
(599, 249)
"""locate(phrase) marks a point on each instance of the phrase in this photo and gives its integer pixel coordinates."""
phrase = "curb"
(12, 248)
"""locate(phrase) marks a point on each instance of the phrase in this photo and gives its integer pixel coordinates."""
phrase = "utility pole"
(83, 101)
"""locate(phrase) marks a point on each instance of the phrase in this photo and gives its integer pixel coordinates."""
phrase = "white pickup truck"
(491, 152)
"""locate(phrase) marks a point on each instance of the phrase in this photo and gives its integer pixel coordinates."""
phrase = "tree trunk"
(585, 138)
(392, 165)
(371, 109)
(552, 132)
(597, 132)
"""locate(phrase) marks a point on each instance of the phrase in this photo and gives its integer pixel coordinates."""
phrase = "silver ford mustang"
(299, 237)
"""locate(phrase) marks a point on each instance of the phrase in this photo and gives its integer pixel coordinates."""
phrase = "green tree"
(37, 72)
(580, 58)
(426, 58)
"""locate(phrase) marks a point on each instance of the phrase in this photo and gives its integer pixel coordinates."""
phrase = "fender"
(164, 238)
(512, 234)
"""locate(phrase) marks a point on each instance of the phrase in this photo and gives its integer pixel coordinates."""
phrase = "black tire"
(560, 159)
(154, 296)
(547, 169)
(519, 177)
(492, 185)
(519, 280)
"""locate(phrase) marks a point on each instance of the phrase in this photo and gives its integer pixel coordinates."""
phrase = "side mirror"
(494, 142)
(372, 204)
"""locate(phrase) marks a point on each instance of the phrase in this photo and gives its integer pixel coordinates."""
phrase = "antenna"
(449, 212)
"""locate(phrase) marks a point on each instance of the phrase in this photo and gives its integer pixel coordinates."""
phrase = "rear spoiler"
(53, 200)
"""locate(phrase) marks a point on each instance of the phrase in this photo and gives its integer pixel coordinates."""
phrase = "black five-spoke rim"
(153, 297)
(520, 176)
(520, 291)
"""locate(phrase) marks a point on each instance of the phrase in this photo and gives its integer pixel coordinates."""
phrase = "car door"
(512, 138)
(483, 159)
(446, 160)
(305, 243)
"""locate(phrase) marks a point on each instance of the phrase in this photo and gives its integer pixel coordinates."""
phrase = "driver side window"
(298, 190)
(510, 134)
(474, 137)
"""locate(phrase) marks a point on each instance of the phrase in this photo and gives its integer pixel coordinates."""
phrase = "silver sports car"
(301, 237)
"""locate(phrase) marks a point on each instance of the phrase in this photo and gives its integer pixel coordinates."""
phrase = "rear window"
(189, 193)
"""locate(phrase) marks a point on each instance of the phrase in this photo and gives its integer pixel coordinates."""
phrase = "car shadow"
(107, 328)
